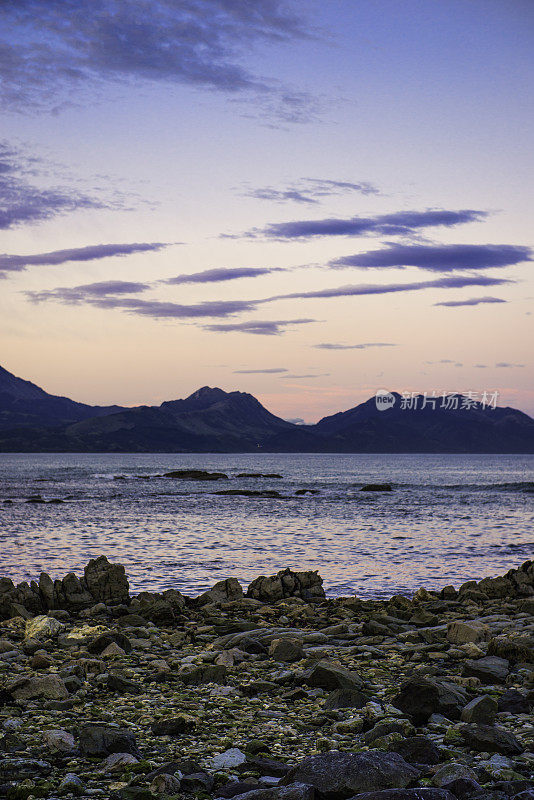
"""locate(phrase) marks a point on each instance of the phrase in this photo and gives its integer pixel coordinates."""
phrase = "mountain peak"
(19, 388)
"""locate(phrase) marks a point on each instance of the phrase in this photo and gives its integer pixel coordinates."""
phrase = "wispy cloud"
(363, 346)
(23, 202)
(87, 292)
(355, 290)
(472, 301)
(307, 377)
(505, 365)
(258, 327)
(156, 309)
(403, 223)
(50, 49)
(439, 257)
(100, 296)
(310, 191)
(223, 274)
(18, 263)
(270, 371)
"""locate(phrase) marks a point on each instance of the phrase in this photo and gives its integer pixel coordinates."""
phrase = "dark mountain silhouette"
(23, 404)
(469, 428)
(211, 420)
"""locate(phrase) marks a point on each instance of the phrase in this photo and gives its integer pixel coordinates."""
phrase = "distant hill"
(474, 429)
(23, 404)
(211, 420)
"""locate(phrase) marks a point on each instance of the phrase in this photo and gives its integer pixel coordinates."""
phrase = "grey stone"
(422, 697)
(336, 774)
(452, 772)
(293, 791)
(102, 740)
(286, 583)
(481, 710)
(490, 739)
(325, 675)
(489, 670)
(229, 759)
(407, 794)
(50, 687)
(43, 627)
(286, 650)
(106, 582)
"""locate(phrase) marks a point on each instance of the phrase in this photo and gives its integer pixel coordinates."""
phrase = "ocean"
(449, 518)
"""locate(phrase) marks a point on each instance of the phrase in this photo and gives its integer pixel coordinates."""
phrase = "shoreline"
(276, 694)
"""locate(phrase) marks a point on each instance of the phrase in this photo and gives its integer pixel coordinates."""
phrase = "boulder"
(464, 632)
(59, 741)
(513, 702)
(230, 759)
(325, 675)
(49, 687)
(513, 646)
(165, 785)
(481, 710)
(43, 627)
(223, 592)
(416, 750)
(207, 673)
(106, 582)
(286, 650)
(452, 772)
(72, 784)
(345, 698)
(489, 670)
(118, 762)
(173, 726)
(407, 794)
(342, 775)
(286, 583)
(490, 739)
(74, 593)
(101, 740)
(294, 791)
(422, 697)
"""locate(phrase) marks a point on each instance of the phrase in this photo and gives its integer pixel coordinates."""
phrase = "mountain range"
(211, 420)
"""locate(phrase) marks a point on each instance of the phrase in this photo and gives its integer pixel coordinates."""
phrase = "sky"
(308, 201)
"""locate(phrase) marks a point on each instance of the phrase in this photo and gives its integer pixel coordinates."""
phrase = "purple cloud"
(51, 49)
(398, 223)
(21, 202)
(258, 327)
(156, 309)
(271, 371)
(16, 263)
(505, 364)
(451, 282)
(298, 377)
(310, 190)
(439, 257)
(472, 301)
(364, 346)
(85, 292)
(223, 274)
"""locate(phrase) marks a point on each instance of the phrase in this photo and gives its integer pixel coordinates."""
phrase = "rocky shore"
(273, 693)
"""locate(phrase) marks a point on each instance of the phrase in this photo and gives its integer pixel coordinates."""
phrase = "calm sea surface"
(449, 519)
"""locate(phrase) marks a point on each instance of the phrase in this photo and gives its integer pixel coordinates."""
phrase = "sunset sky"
(308, 201)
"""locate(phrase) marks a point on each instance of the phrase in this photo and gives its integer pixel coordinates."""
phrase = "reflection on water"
(448, 519)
